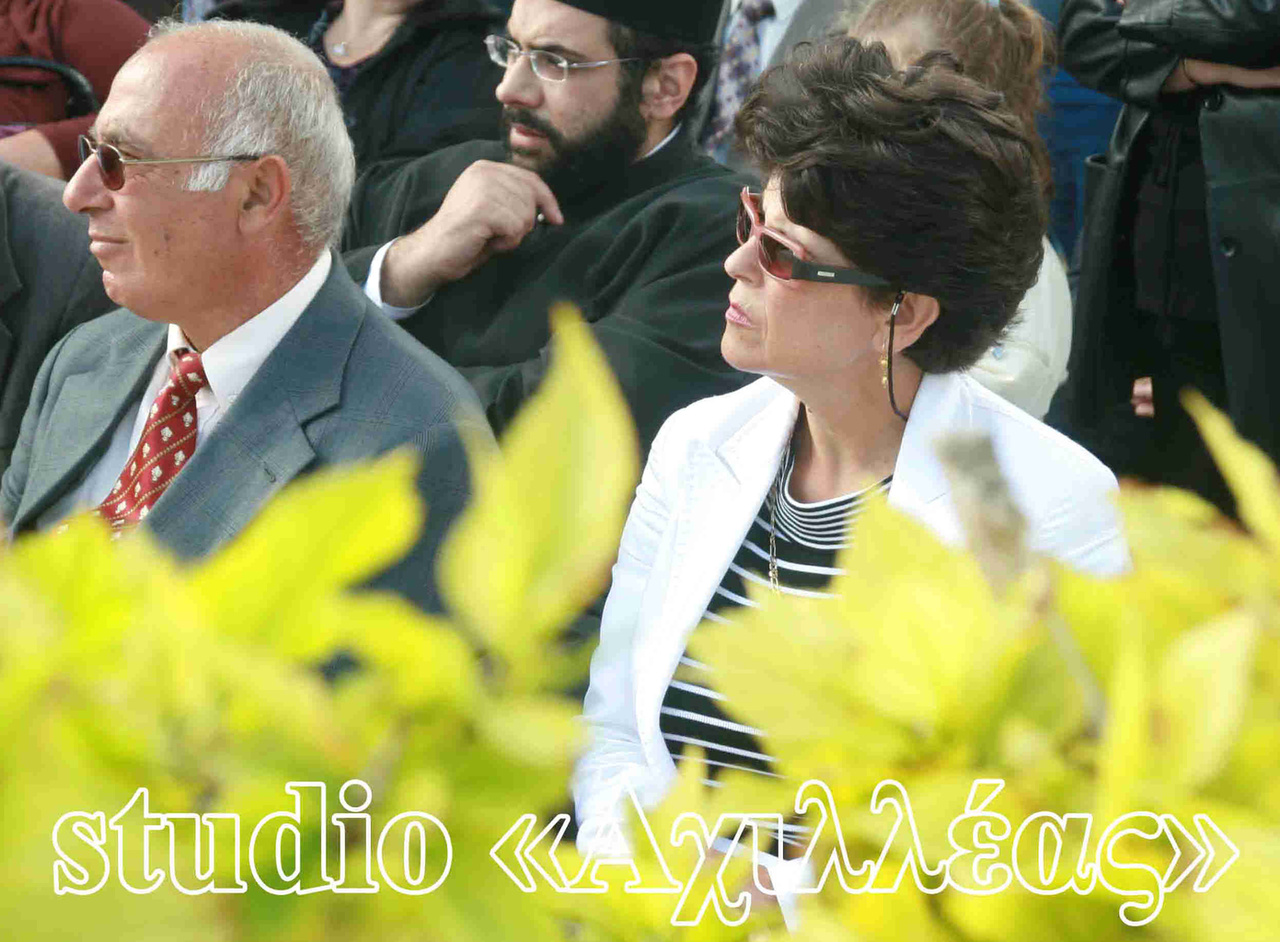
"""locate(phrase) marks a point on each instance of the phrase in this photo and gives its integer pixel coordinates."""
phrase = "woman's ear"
(915, 313)
(666, 86)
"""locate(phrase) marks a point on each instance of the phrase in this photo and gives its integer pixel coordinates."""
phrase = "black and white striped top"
(694, 716)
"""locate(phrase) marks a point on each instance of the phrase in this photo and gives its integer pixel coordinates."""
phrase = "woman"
(413, 75)
(900, 225)
(1006, 46)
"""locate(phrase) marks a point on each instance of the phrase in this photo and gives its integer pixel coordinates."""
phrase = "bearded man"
(595, 195)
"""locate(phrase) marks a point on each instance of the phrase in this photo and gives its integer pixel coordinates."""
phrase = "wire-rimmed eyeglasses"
(111, 162)
(548, 66)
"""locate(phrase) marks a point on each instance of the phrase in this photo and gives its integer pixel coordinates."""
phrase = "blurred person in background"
(93, 37)
(1178, 284)
(1077, 124)
(901, 223)
(1007, 47)
(413, 77)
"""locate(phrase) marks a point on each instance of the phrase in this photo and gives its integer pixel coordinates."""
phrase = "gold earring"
(884, 366)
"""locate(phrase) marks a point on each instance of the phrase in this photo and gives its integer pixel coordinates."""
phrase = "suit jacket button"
(1213, 101)
(1229, 247)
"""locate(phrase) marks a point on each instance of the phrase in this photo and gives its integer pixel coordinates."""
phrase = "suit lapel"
(85, 414)
(261, 444)
(731, 475)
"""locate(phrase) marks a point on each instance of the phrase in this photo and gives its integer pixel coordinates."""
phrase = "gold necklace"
(340, 48)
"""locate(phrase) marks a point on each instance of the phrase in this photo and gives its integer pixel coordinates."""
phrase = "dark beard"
(598, 157)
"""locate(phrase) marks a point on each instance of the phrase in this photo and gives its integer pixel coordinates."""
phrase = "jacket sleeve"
(395, 195)
(14, 483)
(444, 484)
(661, 334)
(614, 759)
(1235, 32)
(1096, 53)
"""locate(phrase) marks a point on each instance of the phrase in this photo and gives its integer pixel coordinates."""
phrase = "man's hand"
(1141, 399)
(31, 150)
(489, 209)
(1192, 73)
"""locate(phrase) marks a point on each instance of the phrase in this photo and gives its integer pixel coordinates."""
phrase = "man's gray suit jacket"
(811, 22)
(49, 283)
(344, 383)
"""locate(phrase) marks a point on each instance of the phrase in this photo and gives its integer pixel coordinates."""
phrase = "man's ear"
(667, 85)
(267, 186)
(914, 316)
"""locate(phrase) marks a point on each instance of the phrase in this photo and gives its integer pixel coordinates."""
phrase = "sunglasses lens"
(111, 167)
(744, 224)
(775, 258)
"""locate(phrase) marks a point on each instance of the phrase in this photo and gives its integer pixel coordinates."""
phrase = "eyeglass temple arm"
(187, 160)
(838, 276)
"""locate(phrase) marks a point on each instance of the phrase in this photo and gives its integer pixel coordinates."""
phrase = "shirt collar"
(664, 142)
(231, 361)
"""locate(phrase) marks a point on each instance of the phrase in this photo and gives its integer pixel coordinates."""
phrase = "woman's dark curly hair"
(922, 176)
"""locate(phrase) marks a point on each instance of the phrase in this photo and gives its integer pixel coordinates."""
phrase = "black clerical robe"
(642, 257)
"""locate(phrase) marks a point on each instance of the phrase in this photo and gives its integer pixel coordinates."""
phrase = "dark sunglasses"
(784, 259)
(111, 162)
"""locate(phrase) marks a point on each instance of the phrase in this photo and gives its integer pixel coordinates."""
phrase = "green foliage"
(119, 669)
(1155, 692)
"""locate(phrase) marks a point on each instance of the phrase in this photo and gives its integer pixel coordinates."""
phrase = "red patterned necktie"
(166, 444)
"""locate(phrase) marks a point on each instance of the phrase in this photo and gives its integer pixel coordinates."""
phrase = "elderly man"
(595, 196)
(215, 180)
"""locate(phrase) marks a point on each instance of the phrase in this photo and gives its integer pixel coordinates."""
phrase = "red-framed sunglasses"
(784, 259)
(111, 162)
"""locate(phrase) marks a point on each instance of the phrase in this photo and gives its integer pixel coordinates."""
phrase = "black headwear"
(693, 21)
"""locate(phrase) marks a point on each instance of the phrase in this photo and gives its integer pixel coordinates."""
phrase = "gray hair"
(280, 100)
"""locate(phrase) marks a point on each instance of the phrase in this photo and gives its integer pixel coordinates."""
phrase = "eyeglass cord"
(893, 316)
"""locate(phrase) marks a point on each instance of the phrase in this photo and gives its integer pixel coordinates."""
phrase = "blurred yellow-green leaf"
(536, 545)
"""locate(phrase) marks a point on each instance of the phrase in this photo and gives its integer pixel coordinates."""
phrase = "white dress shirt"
(229, 364)
(373, 281)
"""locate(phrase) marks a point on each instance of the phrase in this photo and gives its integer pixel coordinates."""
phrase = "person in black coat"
(413, 77)
(596, 197)
(1182, 240)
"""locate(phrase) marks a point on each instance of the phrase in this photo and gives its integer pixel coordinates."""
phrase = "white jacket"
(708, 471)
